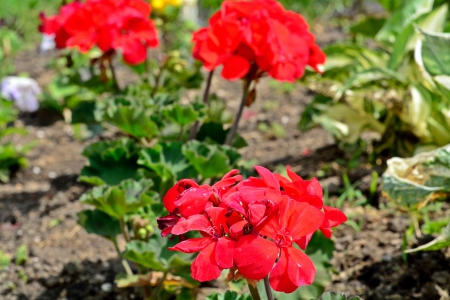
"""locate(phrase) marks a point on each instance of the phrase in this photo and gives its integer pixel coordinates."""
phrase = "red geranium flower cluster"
(250, 226)
(260, 34)
(110, 24)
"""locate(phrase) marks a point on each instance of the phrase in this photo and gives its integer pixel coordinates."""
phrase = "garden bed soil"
(38, 209)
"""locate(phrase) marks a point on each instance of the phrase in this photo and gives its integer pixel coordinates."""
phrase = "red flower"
(109, 24)
(216, 250)
(257, 36)
(255, 256)
(55, 25)
(249, 226)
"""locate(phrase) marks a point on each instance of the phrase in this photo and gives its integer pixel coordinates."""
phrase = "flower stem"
(239, 113)
(123, 226)
(254, 292)
(125, 264)
(194, 128)
(114, 77)
(268, 289)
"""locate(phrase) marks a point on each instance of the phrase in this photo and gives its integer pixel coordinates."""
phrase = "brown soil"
(38, 208)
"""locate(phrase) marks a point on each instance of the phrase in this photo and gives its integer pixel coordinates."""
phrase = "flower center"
(283, 239)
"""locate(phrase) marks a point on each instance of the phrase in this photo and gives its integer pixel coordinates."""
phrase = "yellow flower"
(160, 5)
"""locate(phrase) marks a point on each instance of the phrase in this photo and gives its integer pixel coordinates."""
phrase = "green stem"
(180, 135)
(157, 291)
(254, 291)
(113, 74)
(268, 289)
(194, 128)
(125, 264)
(125, 232)
(239, 113)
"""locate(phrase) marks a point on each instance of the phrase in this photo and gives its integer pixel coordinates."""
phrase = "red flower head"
(257, 36)
(250, 226)
(110, 24)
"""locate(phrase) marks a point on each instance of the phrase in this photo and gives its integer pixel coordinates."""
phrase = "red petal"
(279, 277)
(304, 240)
(256, 212)
(293, 176)
(217, 217)
(204, 267)
(254, 256)
(195, 222)
(301, 269)
(237, 229)
(224, 252)
(192, 245)
(268, 177)
(134, 52)
(193, 201)
(300, 218)
(174, 193)
(334, 216)
(235, 68)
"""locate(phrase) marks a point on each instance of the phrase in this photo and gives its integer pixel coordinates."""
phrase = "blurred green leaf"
(132, 120)
(337, 296)
(100, 223)
(144, 254)
(21, 255)
(442, 241)
(435, 54)
(210, 160)
(214, 132)
(182, 115)
(401, 18)
(413, 182)
(110, 162)
(165, 159)
(229, 295)
(121, 199)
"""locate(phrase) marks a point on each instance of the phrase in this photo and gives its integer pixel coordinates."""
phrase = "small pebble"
(284, 120)
(36, 170)
(52, 175)
(107, 287)
(40, 134)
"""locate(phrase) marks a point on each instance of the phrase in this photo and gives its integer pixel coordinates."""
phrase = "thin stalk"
(113, 74)
(157, 81)
(125, 264)
(125, 232)
(194, 128)
(268, 289)
(180, 134)
(157, 290)
(254, 292)
(239, 113)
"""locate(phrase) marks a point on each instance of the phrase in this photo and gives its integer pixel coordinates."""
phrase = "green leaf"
(406, 41)
(228, 295)
(165, 159)
(182, 115)
(442, 241)
(401, 18)
(121, 199)
(5, 260)
(209, 160)
(144, 254)
(212, 131)
(435, 54)
(110, 162)
(337, 296)
(413, 182)
(132, 120)
(21, 255)
(100, 223)
(368, 27)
